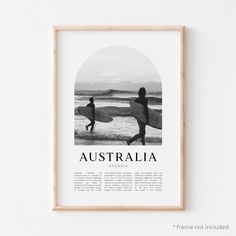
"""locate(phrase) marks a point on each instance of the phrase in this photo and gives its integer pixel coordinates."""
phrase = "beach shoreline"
(87, 138)
(110, 142)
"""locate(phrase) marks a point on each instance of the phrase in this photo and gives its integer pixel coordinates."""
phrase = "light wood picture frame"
(59, 74)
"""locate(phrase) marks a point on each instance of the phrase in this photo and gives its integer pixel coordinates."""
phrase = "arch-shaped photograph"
(118, 99)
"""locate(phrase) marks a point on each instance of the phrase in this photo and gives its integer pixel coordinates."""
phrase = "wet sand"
(97, 142)
(106, 142)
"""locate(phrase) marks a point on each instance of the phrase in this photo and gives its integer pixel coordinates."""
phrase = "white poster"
(118, 118)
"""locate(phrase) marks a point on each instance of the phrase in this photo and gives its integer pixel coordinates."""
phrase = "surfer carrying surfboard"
(142, 126)
(92, 121)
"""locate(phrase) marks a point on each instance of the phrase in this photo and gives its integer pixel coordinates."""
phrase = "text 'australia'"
(117, 156)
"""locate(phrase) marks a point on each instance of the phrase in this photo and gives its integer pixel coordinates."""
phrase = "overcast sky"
(118, 64)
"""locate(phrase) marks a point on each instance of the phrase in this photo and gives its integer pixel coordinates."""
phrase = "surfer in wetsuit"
(142, 126)
(92, 121)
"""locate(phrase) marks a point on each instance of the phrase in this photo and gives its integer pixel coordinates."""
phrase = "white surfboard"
(155, 118)
(99, 115)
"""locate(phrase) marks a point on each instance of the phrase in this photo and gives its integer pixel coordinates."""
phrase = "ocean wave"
(151, 100)
(97, 136)
(117, 111)
(108, 92)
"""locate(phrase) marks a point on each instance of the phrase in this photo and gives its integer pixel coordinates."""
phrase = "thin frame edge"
(118, 208)
(118, 27)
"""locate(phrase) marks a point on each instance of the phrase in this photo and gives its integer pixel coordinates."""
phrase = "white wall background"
(26, 115)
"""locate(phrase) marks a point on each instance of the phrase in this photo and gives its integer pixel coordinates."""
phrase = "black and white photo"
(118, 99)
